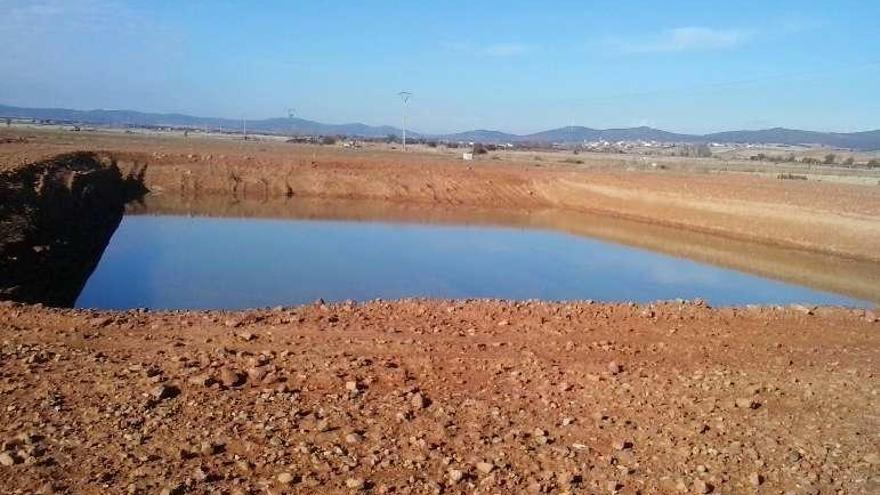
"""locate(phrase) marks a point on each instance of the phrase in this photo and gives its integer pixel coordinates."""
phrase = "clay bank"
(205, 235)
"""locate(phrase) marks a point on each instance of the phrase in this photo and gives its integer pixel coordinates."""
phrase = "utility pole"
(290, 112)
(405, 96)
(244, 127)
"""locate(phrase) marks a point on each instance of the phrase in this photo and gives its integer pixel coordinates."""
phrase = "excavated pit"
(59, 214)
(56, 218)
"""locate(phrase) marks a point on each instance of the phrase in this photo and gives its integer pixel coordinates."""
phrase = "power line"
(290, 113)
(405, 96)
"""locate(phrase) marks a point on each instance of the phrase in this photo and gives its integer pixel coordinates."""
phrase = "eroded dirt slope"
(441, 397)
(842, 219)
(56, 217)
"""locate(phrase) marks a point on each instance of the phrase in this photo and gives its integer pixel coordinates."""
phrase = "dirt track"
(455, 397)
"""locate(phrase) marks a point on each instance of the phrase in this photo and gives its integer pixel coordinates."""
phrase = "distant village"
(764, 152)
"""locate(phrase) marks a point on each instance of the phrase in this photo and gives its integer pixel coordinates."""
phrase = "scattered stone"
(230, 378)
(800, 308)
(212, 448)
(463, 406)
(541, 437)
(747, 403)
(565, 478)
(102, 321)
(614, 367)
(173, 490)
(7, 459)
(756, 479)
(353, 388)
(256, 374)
(243, 466)
(418, 401)
(201, 380)
(485, 467)
(163, 392)
(200, 474)
(622, 445)
(702, 487)
(456, 475)
(354, 483)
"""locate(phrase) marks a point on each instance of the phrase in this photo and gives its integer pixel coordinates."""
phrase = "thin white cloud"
(39, 16)
(797, 25)
(685, 39)
(505, 49)
(457, 46)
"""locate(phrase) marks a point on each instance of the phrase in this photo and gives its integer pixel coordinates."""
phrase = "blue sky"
(514, 66)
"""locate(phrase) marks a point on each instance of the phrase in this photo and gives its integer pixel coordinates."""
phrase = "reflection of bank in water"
(853, 278)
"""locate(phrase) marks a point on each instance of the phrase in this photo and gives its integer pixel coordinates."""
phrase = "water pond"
(170, 261)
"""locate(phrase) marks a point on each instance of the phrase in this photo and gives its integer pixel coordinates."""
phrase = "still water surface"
(180, 262)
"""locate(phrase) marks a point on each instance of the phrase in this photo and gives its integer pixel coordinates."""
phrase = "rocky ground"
(441, 397)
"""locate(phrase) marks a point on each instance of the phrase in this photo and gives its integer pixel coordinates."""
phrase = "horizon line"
(517, 134)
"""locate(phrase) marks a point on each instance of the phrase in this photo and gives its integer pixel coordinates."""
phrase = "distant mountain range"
(866, 140)
(863, 141)
(289, 126)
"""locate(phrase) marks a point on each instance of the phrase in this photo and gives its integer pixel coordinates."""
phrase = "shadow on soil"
(56, 218)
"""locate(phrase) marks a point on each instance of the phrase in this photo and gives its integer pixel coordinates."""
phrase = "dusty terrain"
(441, 397)
(840, 219)
(458, 396)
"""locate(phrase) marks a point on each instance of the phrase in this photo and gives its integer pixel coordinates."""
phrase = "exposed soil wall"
(56, 217)
(829, 218)
(696, 195)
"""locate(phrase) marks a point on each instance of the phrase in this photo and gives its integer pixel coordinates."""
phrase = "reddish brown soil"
(441, 397)
(841, 219)
(451, 397)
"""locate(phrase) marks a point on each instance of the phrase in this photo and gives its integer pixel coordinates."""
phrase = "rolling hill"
(863, 141)
(292, 126)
